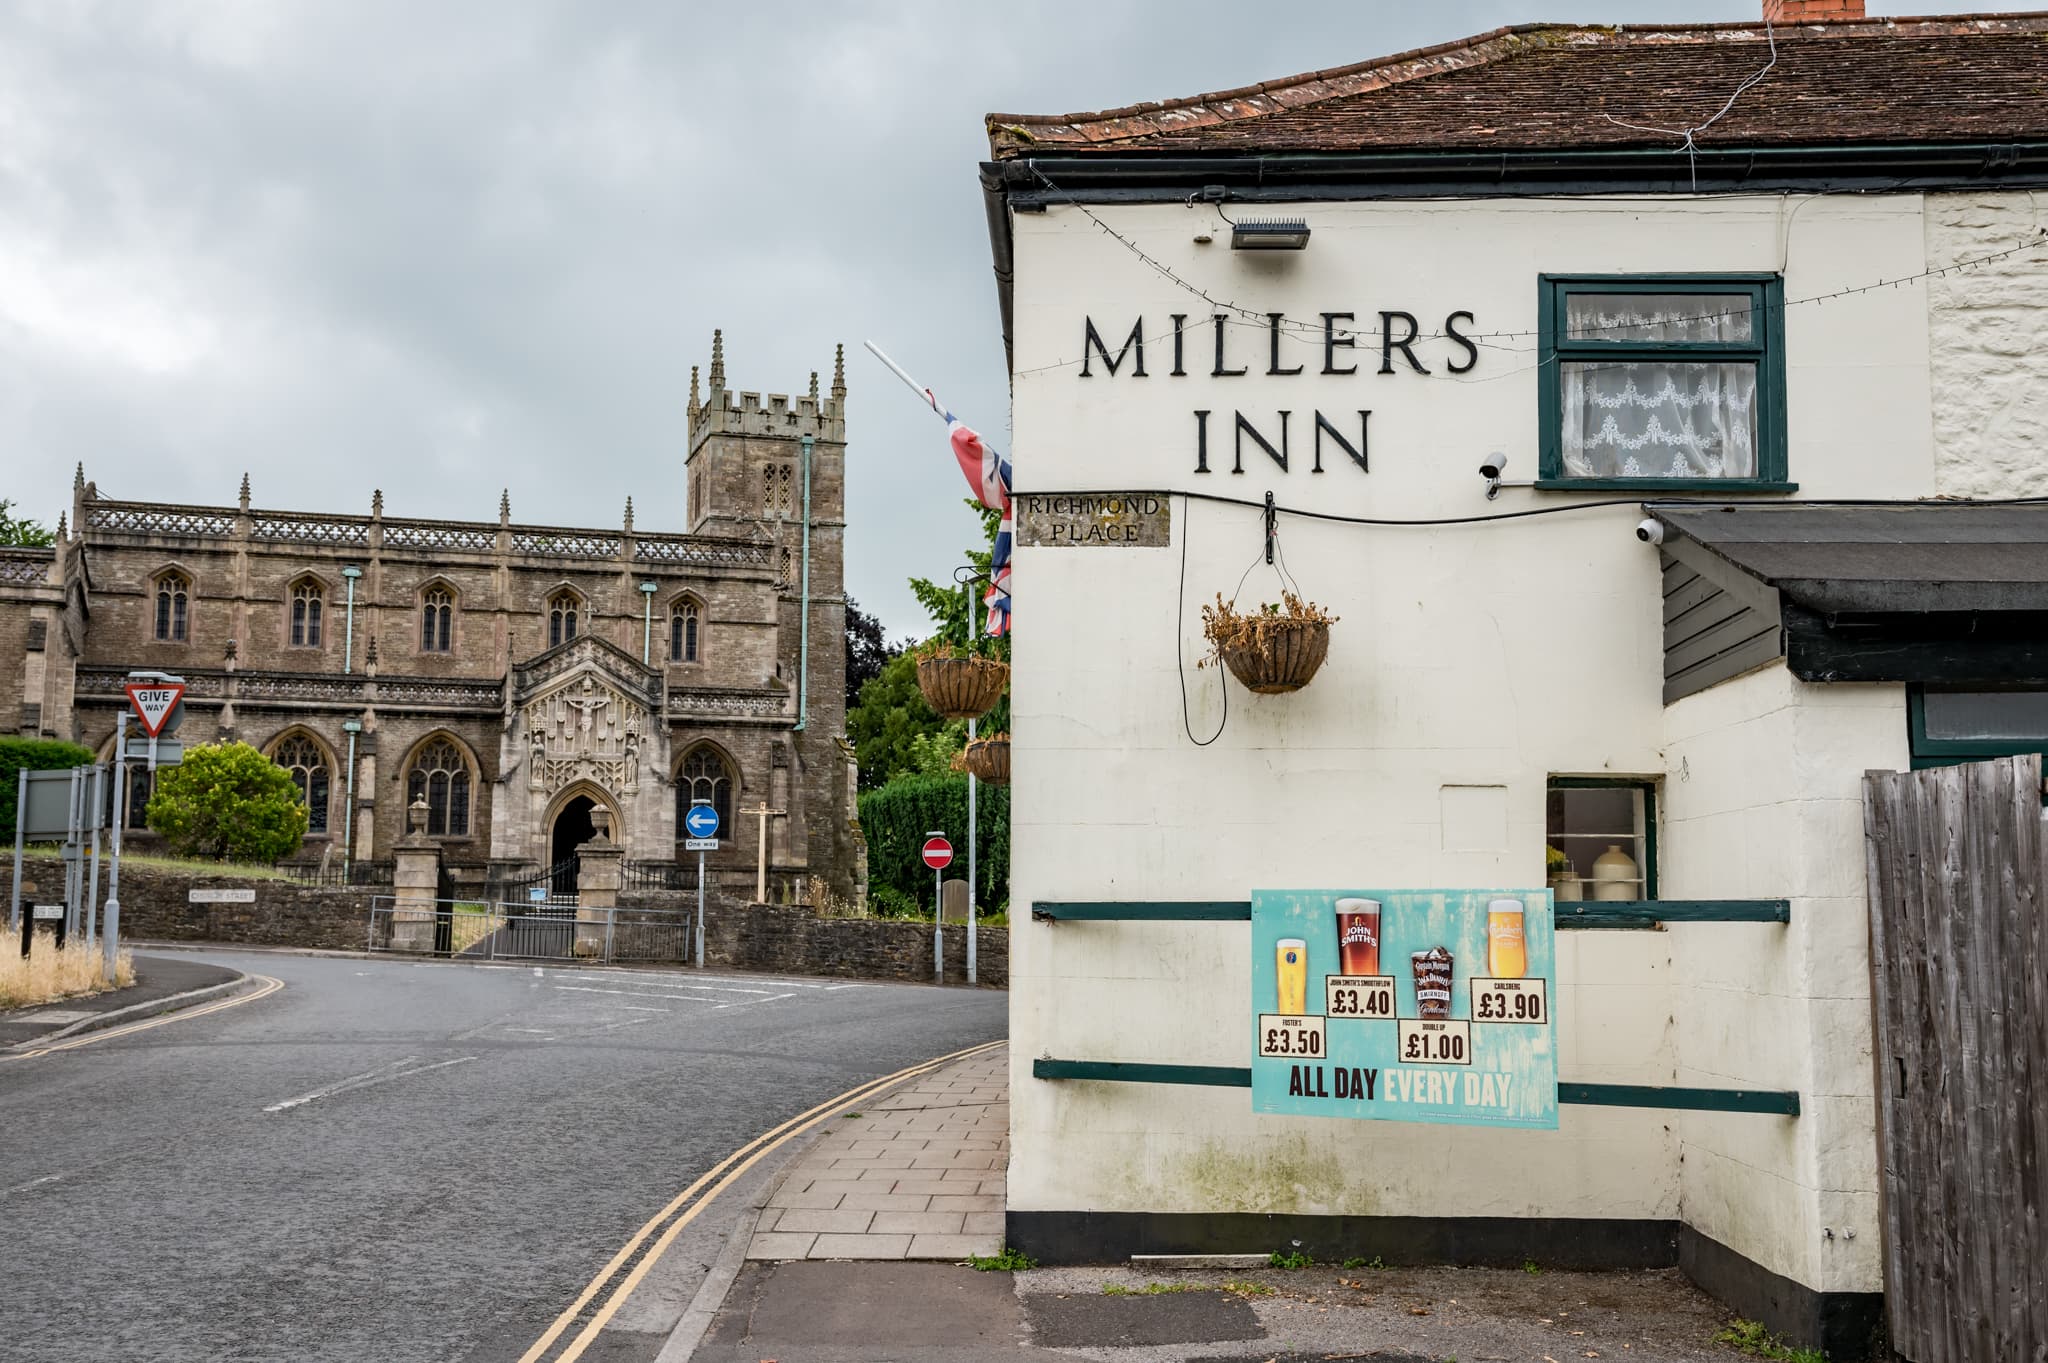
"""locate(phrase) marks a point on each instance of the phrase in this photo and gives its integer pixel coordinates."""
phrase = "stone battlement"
(777, 415)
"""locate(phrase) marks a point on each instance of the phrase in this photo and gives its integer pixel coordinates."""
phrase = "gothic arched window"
(705, 776)
(437, 619)
(306, 764)
(441, 777)
(173, 592)
(307, 601)
(562, 618)
(683, 635)
(141, 785)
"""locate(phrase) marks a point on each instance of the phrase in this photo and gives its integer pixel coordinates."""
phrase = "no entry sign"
(938, 853)
(153, 703)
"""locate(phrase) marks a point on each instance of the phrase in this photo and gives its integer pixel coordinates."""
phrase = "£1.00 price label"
(1434, 1043)
(1291, 1038)
(1360, 996)
(1510, 1000)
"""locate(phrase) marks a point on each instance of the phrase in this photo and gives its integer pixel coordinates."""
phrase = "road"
(400, 1161)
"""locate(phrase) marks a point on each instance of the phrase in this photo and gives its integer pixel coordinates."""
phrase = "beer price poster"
(1405, 1005)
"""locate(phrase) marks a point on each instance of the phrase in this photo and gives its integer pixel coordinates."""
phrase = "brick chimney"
(1811, 11)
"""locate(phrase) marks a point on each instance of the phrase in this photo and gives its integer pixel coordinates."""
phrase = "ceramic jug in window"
(1614, 875)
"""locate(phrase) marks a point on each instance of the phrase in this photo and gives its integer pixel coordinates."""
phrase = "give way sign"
(938, 853)
(153, 703)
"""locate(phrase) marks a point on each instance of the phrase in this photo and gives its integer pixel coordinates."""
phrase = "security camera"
(1650, 530)
(1494, 466)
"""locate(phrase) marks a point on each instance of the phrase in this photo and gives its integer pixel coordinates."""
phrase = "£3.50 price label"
(1419, 1042)
(1360, 996)
(1291, 1038)
(1510, 1000)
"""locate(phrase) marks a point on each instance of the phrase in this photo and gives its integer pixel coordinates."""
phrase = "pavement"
(161, 983)
(417, 1162)
(828, 1275)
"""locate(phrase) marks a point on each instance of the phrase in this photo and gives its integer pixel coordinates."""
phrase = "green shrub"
(229, 802)
(897, 817)
(31, 754)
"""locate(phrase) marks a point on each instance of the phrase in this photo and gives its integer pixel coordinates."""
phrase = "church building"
(518, 678)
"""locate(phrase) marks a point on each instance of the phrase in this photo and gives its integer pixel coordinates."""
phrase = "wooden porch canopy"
(1952, 593)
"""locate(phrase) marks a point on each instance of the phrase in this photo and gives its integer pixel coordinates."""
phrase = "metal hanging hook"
(1272, 526)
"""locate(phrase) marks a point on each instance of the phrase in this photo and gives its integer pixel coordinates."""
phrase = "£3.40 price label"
(1290, 1038)
(1510, 1000)
(1434, 1043)
(1360, 996)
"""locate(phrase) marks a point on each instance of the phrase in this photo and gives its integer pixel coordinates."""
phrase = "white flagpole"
(900, 372)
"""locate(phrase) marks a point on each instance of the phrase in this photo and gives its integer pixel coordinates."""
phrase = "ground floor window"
(1601, 836)
(1950, 726)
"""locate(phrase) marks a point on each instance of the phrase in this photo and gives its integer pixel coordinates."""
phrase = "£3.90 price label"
(1360, 996)
(1434, 1043)
(1510, 1000)
(1290, 1038)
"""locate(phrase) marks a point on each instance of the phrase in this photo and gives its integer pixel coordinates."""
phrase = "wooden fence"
(1958, 887)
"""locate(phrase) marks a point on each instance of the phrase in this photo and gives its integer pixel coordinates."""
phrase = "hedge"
(897, 817)
(35, 754)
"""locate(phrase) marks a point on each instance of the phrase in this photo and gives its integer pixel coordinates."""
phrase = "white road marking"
(37, 1182)
(635, 993)
(383, 1074)
(643, 1008)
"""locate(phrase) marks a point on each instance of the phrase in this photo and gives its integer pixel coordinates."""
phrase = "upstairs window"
(562, 618)
(307, 600)
(173, 593)
(1656, 382)
(437, 618)
(682, 633)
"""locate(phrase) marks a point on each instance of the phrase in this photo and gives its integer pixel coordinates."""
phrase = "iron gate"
(471, 931)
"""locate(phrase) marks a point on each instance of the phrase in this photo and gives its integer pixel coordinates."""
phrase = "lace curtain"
(1645, 418)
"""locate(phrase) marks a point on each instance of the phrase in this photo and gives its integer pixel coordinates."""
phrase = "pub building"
(1662, 485)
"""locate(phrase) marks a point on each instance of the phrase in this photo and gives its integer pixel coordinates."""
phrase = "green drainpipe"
(803, 663)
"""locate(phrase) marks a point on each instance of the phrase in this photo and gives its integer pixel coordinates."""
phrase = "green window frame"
(1765, 349)
(1947, 752)
(1644, 839)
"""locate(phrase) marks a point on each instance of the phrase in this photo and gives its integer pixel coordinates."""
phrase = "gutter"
(1295, 177)
(803, 664)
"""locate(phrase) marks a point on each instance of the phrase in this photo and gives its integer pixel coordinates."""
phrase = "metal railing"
(332, 872)
(475, 931)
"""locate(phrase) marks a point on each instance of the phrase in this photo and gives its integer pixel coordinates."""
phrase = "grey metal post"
(973, 828)
(110, 940)
(92, 879)
(611, 920)
(20, 806)
(74, 865)
(938, 925)
(700, 908)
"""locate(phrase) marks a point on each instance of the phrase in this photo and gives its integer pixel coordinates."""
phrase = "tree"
(229, 802)
(866, 650)
(21, 531)
(887, 722)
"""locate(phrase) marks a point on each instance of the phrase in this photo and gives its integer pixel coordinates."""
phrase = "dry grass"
(245, 870)
(52, 974)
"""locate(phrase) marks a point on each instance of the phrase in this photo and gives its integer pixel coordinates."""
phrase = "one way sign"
(153, 703)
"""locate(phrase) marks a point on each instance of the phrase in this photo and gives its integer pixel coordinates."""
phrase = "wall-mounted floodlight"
(1269, 234)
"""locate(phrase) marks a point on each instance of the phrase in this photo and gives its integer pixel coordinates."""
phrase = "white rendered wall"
(1480, 656)
(1763, 799)
(1990, 346)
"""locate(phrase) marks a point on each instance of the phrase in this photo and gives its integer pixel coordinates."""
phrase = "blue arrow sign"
(701, 821)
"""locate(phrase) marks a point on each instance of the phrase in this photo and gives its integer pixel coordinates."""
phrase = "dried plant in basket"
(988, 758)
(960, 685)
(1272, 650)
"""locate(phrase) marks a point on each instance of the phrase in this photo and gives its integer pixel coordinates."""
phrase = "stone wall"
(156, 907)
(798, 942)
(1988, 334)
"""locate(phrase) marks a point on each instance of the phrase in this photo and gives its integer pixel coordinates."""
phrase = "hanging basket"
(1274, 650)
(961, 687)
(989, 759)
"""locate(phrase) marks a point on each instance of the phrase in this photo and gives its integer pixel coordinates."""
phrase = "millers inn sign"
(1616, 464)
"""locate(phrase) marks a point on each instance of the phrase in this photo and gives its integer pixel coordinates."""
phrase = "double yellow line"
(266, 986)
(688, 1203)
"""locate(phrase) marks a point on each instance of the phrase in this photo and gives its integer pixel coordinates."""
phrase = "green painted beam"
(1147, 911)
(1784, 1104)
(1572, 915)
(1780, 1102)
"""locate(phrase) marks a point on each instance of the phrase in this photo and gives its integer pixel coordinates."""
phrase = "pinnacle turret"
(838, 372)
(717, 364)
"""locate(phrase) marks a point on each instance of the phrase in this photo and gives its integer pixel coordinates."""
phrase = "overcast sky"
(444, 248)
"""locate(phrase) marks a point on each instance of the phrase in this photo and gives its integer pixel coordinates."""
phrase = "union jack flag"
(988, 474)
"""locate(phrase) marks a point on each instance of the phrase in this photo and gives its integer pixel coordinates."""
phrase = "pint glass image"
(1290, 961)
(1507, 954)
(1358, 936)
(1432, 983)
